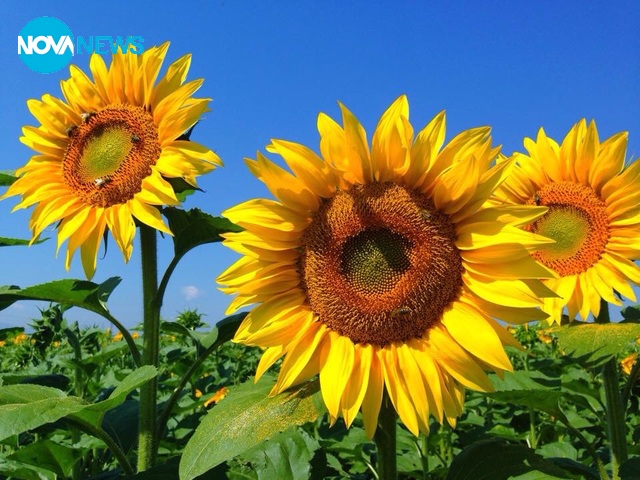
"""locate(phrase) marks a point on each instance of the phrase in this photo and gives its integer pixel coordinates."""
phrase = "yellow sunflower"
(381, 267)
(593, 217)
(106, 151)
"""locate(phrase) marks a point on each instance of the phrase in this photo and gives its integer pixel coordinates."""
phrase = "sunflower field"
(405, 304)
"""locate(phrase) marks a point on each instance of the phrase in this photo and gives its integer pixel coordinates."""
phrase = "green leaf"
(10, 242)
(192, 228)
(19, 470)
(246, 417)
(593, 344)
(25, 407)
(93, 413)
(7, 178)
(496, 459)
(632, 312)
(522, 388)
(558, 449)
(182, 188)
(287, 456)
(77, 293)
(48, 455)
(175, 329)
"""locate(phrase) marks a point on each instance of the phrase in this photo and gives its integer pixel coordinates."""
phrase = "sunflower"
(381, 268)
(105, 152)
(593, 217)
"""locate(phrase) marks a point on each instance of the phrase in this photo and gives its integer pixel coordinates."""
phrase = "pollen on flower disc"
(577, 220)
(379, 263)
(110, 154)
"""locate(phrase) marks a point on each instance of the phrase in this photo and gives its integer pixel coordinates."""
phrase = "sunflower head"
(593, 216)
(105, 151)
(380, 267)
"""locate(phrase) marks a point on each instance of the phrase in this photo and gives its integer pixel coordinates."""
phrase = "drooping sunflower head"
(105, 152)
(593, 216)
(381, 268)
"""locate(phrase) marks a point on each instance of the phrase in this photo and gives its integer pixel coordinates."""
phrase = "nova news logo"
(46, 44)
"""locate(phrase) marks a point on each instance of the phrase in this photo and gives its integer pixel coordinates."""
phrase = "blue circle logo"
(45, 45)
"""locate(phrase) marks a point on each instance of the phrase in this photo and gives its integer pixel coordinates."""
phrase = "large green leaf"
(7, 178)
(48, 455)
(194, 227)
(593, 344)
(25, 407)
(498, 459)
(246, 417)
(287, 456)
(525, 389)
(93, 413)
(77, 293)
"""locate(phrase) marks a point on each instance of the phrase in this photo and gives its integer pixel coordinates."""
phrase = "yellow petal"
(336, 366)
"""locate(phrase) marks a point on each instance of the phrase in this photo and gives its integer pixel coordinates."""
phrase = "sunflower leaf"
(632, 312)
(7, 178)
(245, 418)
(182, 188)
(287, 456)
(593, 344)
(48, 455)
(524, 389)
(94, 413)
(25, 407)
(192, 228)
(75, 293)
(10, 242)
(497, 458)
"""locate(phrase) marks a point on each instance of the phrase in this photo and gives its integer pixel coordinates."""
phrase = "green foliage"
(247, 417)
(595, 344)
(7, 178)
(68, 389)
(76, 293)
(11, 242)
(194, 227)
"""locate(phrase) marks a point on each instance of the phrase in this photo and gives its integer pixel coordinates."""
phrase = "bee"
(87, 116)
(536, 199)
(71, 131)
(101, 182)
(135, 138)
(400, 312)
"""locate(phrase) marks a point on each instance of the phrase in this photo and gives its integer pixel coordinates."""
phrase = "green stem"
(615, 415)
(616, 427)
(151, 345)
(78, 391)
(126, 336)
(385, 438)
(107, 440)
(424, 456)
(175, 395)
(533, 440)
(601, 470)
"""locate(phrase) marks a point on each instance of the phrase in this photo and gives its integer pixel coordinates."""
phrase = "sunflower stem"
(385, 438)
(616, 427)
(150, 347)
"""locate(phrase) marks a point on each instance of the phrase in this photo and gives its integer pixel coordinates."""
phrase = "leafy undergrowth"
(546, 420)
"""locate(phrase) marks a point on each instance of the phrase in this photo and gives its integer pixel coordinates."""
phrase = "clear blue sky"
(270, 67)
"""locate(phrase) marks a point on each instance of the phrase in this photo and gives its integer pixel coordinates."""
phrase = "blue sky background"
(271, 67)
